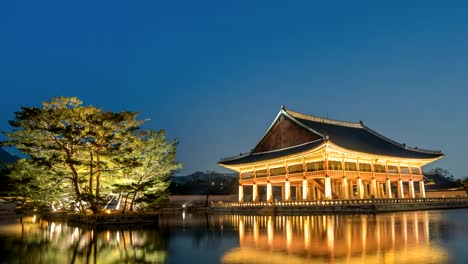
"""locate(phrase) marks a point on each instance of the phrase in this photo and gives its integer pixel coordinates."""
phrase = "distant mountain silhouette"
(436, 181)
(209, 182)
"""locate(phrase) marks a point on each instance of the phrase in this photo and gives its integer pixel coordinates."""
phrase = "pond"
(406, 237)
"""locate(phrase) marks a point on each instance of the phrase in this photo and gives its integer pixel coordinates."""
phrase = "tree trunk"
(91, 174)
(125, 203)
(133, 201)
(98, 175)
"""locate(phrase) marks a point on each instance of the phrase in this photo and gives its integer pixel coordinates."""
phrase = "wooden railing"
(336, 174)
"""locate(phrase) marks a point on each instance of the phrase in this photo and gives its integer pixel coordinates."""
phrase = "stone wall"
(459, 193)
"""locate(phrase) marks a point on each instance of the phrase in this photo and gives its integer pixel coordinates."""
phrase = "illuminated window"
(392, 169)
(334, 165)
(315, 166)
(350, 166)
(295, 168)
(247, 175)
(261, 173)
(277, 171)
(379, 168)
(364, 167)
(404, 170)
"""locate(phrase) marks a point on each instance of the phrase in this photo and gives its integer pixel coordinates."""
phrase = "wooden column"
(389, 188)
(411, 188)
(328, 190)
(298, 193)
(422, 190)
(400, 189)
(313, 193)
(287, 191)
(269, 192)
(360, 188)
(381, 190)
(254, 193)
(305, 190)
(373, 189)
(345, 188)
(351, 190)
(241, 193)
(366, 189)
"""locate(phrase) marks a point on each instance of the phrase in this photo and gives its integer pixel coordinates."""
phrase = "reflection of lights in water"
(52, 229)
(355, 239)
(117, 236)
(34, 219)
(288, 233)
(74, 234)
(108, 235)
(330, 234)
(270, 232)
(415, 227)
(255, 230)
(306, 233)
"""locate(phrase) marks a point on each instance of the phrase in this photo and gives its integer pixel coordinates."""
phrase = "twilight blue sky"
(215, 73)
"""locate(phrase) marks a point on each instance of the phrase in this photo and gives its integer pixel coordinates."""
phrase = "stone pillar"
(422, 190)
(269, 197)
(389, 189)
(360, 188)
(328, 190)
(373, 188)
(287, 191)
(241, 193)
(345, 188)
(400, 189)
(411, 188)
(305, 190)
(254, 193)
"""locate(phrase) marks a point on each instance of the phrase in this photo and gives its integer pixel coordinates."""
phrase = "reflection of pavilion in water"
(399, 237)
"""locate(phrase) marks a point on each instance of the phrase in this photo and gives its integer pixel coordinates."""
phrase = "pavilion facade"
(324, 159)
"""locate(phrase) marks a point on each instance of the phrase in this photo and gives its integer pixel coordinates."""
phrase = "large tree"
(153, 161)
(84, 145)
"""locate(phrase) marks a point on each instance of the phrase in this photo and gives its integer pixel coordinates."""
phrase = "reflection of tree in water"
(45, 242)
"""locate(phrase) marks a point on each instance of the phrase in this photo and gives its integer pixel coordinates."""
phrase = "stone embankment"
(105, 220)
(342, 206)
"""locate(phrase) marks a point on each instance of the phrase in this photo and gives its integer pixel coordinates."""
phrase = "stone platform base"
(342, 206)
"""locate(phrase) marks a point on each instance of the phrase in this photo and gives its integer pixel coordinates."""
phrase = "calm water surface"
(409, 237)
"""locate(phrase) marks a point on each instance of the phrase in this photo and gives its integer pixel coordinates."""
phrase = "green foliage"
(153, 161)
(85, 154)
(34, 186)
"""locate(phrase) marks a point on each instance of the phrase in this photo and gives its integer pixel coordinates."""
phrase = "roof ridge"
(235, 157)
(295, 146)
(270, 151)
(324, 120)
(357, 125)
(375, 133)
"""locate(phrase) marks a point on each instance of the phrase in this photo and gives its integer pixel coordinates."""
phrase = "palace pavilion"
(312, 158)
